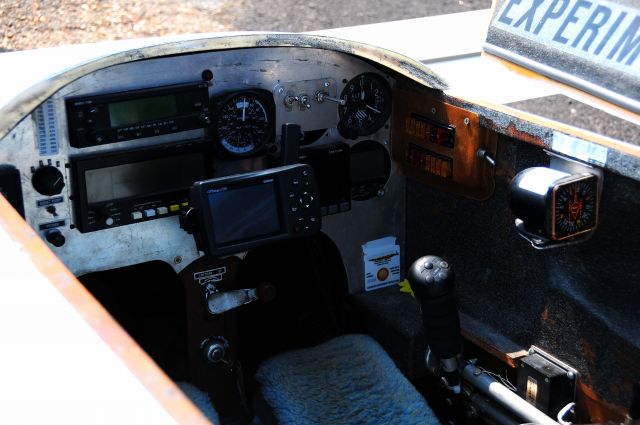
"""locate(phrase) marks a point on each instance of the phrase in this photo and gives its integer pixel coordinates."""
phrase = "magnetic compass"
(367, 105)
(552, 205)
(575, 206)
(244, 123)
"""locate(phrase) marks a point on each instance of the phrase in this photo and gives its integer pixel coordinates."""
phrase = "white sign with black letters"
(591, 44)
(600, 30)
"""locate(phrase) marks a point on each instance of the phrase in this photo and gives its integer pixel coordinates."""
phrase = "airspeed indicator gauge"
(367, 105)
(244, 123)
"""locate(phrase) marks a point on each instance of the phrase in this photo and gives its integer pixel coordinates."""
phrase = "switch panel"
(442, 145)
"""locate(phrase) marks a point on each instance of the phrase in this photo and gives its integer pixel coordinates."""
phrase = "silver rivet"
(466, 121)
(177, 259)
(433, 111)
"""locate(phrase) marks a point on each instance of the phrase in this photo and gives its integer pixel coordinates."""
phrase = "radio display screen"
(143, 177)
(142, 110)
(244, 213)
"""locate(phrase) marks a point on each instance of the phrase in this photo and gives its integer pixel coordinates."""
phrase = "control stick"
(432, 281)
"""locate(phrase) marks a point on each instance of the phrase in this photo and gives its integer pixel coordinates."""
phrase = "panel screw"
(177, 259)
(433, 111)
(326, 84)
(281, 90)
(466, 121)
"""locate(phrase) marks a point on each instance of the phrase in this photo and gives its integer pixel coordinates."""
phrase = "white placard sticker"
(207, 276)
(580, 149)
(381, 263)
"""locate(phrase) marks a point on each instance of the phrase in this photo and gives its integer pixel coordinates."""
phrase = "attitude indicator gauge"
(367, 105)
(243, 123)
(552, 205)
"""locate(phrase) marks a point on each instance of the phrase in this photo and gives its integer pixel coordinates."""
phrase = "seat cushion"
(347, 380)
(201, 400)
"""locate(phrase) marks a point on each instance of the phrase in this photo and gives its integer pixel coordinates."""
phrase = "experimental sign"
(591, 44)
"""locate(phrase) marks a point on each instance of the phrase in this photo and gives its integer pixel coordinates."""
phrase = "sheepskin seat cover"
(347, 380)
(201, 400)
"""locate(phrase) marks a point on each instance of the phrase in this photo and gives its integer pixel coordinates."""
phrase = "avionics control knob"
(205, 118)
(55, 238)
(47, 180)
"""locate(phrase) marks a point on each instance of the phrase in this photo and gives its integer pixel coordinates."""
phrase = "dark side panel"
(578, 302)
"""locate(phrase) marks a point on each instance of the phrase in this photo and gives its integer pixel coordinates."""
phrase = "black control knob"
(205, 118)
(55, 237)
(215, 349)
(432, 281)
(266, 292)
(48, 180)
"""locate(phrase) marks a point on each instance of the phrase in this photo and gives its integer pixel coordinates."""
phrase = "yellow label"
(532, 390)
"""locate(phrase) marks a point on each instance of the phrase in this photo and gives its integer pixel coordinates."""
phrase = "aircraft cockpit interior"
(298, 230)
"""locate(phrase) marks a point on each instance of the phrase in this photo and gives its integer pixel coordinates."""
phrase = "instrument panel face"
(95, 163)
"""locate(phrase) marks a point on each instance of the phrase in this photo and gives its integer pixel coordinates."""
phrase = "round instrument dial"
(48, 180)
(244, 123)
(575, 207)
(367, 105)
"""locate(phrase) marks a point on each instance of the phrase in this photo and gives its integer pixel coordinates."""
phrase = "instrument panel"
(106, 163)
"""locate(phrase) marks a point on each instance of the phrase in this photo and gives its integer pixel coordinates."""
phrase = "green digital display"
(142, 110)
